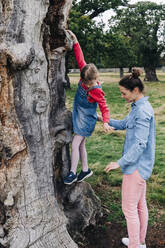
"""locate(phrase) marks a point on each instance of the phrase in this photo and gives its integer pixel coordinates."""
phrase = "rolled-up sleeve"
(140, 139)
(119, 124)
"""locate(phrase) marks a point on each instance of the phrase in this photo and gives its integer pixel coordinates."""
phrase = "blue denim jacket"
(139, 145)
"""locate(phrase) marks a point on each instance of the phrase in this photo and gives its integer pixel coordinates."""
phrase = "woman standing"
(137, 160)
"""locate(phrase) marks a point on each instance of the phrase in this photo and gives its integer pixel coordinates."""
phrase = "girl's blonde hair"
(89, 72)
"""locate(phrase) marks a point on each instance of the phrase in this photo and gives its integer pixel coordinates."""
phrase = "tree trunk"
(150, 74)
(36, 129)
(121, 72)
(67, 72)
(130, 69)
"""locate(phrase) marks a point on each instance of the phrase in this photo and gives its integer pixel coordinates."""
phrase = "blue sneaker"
(83, 175)
(70, 178)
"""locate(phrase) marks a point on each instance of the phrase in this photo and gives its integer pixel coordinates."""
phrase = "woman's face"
(129, 96)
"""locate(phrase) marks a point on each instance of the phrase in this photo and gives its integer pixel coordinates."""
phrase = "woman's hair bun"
(136, 72)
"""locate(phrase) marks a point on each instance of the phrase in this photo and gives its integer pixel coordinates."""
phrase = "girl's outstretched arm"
(79, 56)
(77, 51)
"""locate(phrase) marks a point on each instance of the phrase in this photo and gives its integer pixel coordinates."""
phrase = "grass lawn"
(103, 148)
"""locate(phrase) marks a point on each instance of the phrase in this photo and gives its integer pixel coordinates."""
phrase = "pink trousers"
(134, 208)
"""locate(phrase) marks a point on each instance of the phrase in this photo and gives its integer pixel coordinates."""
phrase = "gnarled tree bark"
(36, 129)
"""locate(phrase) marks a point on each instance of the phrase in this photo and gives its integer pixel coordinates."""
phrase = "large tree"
(144, 26)
(90, 36)
(96, 7)
(89, 32)
(118, 51)
(36, 129)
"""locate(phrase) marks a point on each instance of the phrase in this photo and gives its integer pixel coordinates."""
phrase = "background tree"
(90, 37)
(118, 51)
(90, 34)
(36, 129)
(96, 7)
(105, 49)
(144, 26)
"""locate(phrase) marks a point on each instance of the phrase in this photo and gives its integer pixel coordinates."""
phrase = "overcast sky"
(108, 13)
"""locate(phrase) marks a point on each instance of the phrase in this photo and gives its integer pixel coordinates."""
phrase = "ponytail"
(132, 81)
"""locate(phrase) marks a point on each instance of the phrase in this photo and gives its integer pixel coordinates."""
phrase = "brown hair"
(89, 72)
(132, 81)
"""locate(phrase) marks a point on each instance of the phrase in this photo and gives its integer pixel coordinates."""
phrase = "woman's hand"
(107, 128)
(74, 38)
(111, 166)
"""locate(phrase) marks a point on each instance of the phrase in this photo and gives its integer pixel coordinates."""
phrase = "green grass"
(103, 148)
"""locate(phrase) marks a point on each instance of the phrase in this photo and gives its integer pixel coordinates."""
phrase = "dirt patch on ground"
(109, 236)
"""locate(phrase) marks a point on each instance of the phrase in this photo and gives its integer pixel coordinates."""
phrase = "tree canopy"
(96, 7)
(144, 25)
(135, 36)
(118, 50)
(99, 47)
